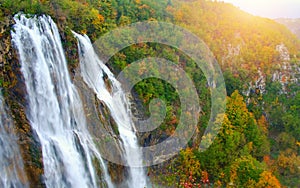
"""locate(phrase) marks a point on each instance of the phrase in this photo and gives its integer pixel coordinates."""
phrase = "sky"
(269, 8)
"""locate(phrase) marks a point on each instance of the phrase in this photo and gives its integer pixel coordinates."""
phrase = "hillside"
(292, 24)
(258, 144)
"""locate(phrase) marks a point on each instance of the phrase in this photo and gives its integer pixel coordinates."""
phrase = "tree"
(268, 180)
(244, 170)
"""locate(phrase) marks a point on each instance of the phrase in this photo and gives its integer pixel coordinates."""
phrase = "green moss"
(97, 166)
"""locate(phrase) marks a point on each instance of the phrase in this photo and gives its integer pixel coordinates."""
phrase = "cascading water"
(93, 71)
(55, 110)
(11, 164)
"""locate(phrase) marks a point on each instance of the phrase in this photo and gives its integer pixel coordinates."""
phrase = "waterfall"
(55, 109)
(11, 164)
(93, 71)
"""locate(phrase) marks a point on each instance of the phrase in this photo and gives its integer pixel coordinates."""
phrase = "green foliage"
(82, 17)
(244, 170)
(27, 6)
(183, 171)
(233, 157)
(288, 167)
(232, 82)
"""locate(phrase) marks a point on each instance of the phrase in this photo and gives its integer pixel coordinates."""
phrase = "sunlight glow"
(269, 8)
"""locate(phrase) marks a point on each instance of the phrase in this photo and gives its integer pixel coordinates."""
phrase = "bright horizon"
(269, 8)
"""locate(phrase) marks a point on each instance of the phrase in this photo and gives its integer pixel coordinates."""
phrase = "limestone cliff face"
(287, 72)
(103, 128)
(15, 95)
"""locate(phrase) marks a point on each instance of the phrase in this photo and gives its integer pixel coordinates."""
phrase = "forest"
(258, 144)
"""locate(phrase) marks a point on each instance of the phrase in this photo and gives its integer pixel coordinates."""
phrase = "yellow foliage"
(178, 15)
(263, 124)
(189, 164)
(289, 161)
(84, 31)
(267, 179)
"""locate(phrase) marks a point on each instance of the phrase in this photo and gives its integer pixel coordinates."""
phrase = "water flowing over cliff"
(54, 107)
(11, 164)
(94, 71)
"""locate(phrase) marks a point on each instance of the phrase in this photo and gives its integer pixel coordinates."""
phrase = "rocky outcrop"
(286, 71)
(14, 91)
(103, 129)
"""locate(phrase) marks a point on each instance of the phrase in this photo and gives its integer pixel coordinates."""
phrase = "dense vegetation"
(258, 145)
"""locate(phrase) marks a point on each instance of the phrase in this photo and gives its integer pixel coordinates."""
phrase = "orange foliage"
(100, 17)
(267, 179)
(178, 15)
(204, 177)
(270, 162)
(288, 161)
(263, 124)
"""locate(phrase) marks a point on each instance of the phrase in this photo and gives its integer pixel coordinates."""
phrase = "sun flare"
(269, 8)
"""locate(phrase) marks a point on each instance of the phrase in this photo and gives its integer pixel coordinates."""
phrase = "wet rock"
(103, 129)
(15, 95)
